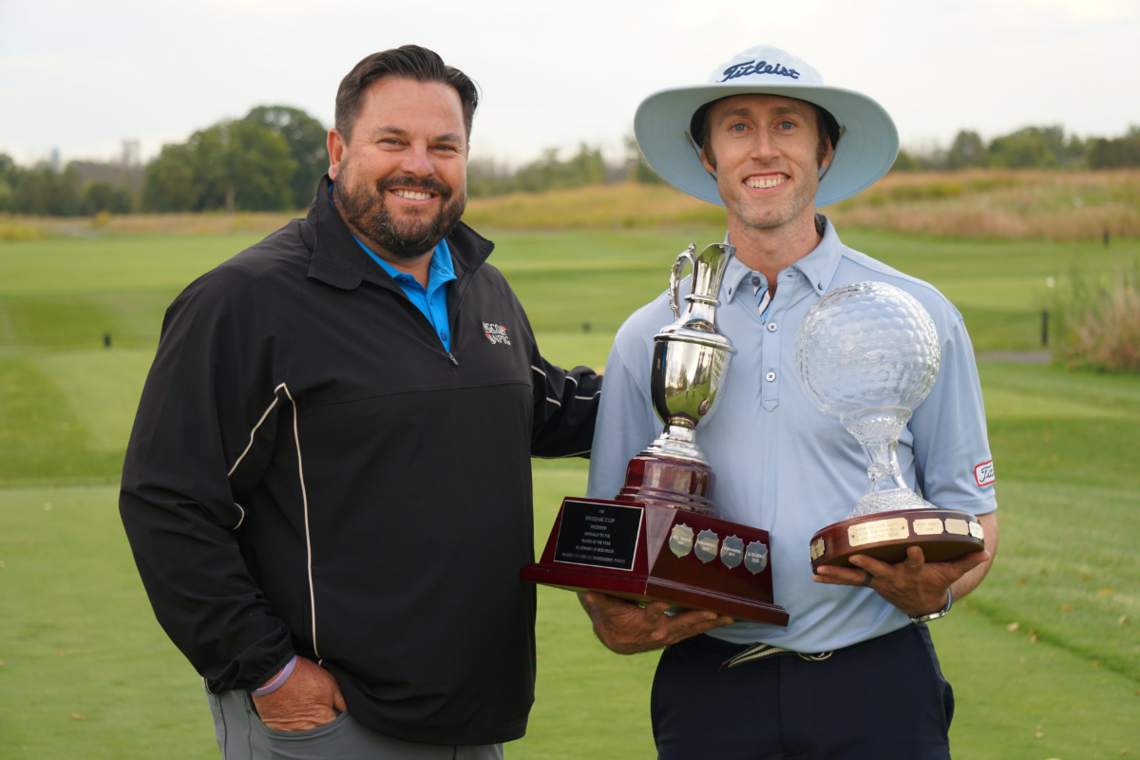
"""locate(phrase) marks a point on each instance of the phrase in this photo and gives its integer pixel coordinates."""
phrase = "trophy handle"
(675, 278)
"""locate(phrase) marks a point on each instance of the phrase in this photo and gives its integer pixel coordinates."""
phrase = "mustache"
(412, 183)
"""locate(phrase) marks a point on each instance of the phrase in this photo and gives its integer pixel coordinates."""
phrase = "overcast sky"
(81, 76)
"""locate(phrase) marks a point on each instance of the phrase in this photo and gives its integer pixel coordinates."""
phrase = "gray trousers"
(242, 736)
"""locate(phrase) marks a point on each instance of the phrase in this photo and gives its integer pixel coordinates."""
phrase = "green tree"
(44, 192)
(967, 151)
(307, 141)
(905, 162)
(103, 196)
(1028, 148)
(235, 165)
(640, 171)
(587, 167)
(173, 181)
(8, 171)
(1115, 153)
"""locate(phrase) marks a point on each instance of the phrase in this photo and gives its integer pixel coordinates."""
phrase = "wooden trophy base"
(648, 552)
(943, 535)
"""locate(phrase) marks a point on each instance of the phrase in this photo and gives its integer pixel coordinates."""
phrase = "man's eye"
(787, 125)
(738, 127)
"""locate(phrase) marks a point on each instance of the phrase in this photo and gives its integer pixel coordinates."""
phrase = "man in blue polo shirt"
(854, 674)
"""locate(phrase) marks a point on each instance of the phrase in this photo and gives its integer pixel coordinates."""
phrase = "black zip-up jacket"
(311, 472)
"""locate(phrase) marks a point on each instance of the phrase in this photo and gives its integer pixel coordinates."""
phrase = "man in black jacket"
(327, 488)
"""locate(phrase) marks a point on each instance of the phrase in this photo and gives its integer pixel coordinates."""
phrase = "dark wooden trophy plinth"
(658, 541)
(943, 535)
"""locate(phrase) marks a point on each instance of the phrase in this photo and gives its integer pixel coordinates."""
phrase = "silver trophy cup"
(690, 357)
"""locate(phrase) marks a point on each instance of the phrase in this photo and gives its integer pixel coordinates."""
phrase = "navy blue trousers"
(883, 699)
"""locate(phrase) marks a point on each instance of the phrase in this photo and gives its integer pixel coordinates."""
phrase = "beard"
(366, 211)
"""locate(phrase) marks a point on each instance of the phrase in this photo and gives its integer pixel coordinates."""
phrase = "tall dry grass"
(1000, 204)
(976, 204)
(625, 205)
(1100, 321)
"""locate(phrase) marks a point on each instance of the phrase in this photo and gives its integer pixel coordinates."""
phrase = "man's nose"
(417, 161)
(764, 147)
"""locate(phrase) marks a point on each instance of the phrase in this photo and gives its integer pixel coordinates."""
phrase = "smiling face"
(401, 177)
(764, 151)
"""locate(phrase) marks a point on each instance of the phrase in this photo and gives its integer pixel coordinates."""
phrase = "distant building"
(131, 155)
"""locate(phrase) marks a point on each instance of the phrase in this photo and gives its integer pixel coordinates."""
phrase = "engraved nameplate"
(817, 549)
(957, 527)
(878, 530)
(732, 551)
(706, 547)
(756, 557)
(599, 535)
(976, 531)
(928, 527)
(681, 540)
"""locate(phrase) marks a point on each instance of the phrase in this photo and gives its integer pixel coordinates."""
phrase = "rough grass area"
(980, 204)
(1000, 204)
(1099, 316)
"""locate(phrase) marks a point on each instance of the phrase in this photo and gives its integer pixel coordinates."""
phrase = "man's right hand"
(310, 698)
(628, 629)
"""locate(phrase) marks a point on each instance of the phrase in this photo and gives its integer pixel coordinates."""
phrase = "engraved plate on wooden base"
(943, 535)
(648, 552)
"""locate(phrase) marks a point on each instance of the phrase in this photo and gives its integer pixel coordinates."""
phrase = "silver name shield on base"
(732, 552)
(756, 558)
(706, 546)
(681, 540)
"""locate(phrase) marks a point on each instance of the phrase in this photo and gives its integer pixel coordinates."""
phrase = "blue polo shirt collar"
(818, 267)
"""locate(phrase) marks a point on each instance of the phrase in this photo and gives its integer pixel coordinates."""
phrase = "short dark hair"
(408, 62)
(825, 124)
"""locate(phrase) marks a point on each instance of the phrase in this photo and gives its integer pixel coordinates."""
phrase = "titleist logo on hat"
(758, 67)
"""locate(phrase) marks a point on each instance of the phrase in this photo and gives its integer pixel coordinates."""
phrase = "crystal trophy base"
(651, 544)
(943, 535)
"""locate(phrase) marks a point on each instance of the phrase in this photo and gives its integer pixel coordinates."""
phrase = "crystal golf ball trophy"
(660, 537)
(868, 354)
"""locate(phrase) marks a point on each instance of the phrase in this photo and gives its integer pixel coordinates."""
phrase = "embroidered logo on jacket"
(984, 473)
(496, 333)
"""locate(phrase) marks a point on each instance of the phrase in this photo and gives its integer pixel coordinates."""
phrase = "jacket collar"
(338, 261)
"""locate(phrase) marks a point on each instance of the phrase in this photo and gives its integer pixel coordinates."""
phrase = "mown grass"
(1064, 443)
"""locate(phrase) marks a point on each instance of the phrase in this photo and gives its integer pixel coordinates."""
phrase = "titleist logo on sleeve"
(758, 67)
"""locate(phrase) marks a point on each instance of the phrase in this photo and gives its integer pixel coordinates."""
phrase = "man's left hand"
(915, 586)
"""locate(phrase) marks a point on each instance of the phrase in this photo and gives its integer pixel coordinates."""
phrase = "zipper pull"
(453, 359)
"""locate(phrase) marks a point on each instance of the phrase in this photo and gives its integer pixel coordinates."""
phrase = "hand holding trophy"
(868, 354)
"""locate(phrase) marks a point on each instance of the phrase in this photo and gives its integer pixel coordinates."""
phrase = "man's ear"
(338, 148)
(708, 160)
(828, 158)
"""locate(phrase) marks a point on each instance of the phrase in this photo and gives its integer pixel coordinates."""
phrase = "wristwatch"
(935, 615)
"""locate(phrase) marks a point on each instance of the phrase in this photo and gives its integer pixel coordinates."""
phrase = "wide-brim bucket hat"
(867, 148)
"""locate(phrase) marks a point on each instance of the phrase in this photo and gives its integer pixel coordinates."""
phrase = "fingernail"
(710, 616)
(823, 571)
(856, 560)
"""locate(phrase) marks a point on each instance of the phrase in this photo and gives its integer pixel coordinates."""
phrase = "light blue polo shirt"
(781, 464)
(432, 300)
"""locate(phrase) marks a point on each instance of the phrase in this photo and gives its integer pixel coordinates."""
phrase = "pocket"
(945, 693)
(309, 734)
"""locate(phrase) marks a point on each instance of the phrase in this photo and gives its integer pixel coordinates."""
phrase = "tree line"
(1028, 148)
(273, 157)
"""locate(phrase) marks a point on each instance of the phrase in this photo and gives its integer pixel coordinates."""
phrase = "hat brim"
(866, 151)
